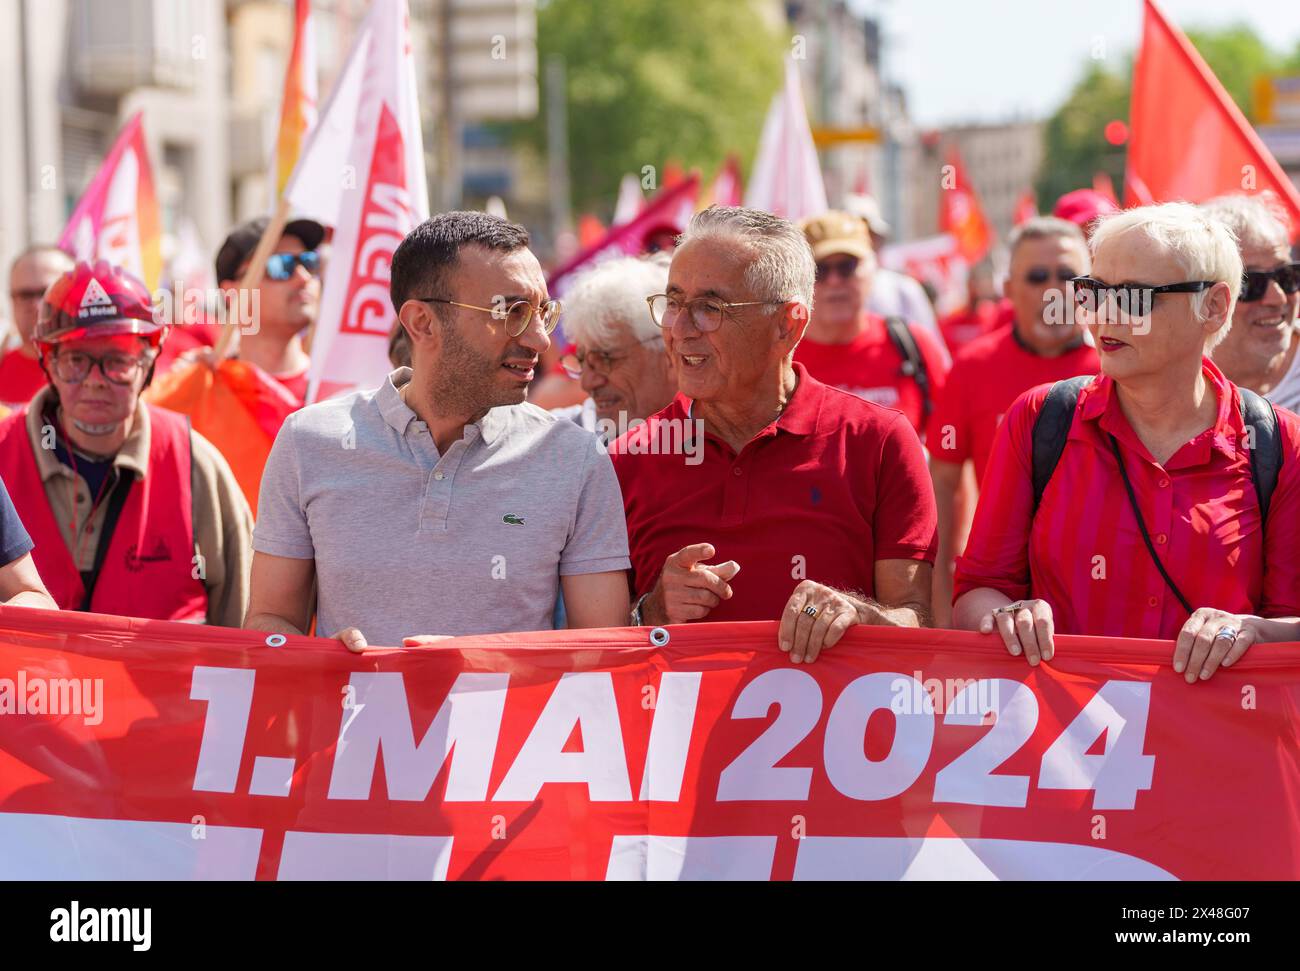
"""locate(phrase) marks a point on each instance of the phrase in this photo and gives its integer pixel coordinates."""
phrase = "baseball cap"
(861, 204)
(243, 239)
(837, 232)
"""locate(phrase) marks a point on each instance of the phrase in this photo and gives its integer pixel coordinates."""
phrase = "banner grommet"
(275, 640)
(659, 637)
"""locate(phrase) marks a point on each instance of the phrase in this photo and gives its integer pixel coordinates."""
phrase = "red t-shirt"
(1083, 552)
(985, 379)
(871, 367)
(969, 324)
(834, 484)
(20, 378)
(295, 383)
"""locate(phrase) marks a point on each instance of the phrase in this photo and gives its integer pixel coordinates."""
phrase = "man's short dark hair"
(425, 259)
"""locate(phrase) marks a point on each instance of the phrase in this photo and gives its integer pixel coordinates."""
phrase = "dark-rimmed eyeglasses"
(1132, 299)
(706, 313)
(1038, 275)
(599, 362)
(843, 267)
(119, 368)
(281, 265)
(515, 316)
(1254, 283)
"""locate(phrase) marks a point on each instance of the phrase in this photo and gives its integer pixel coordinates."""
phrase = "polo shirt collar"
(133, 456)
(398, 414)
(1099, 404)
(801, 411)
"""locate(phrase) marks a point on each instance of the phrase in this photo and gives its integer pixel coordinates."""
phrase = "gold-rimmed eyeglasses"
(706, 312)
(516, 316)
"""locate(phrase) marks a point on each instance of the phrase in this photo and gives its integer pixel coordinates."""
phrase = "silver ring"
(275, 640)
(1010, 608)
(659, 637)
(1227, 634)
(810, 610)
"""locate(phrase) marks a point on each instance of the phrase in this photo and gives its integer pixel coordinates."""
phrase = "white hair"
(612, 295)
(782, 267)
(1204, 247)
(1257, 221)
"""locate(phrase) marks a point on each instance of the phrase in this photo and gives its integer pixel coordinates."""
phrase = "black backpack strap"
(913, 361)
(1051, 429)
(1266, 455)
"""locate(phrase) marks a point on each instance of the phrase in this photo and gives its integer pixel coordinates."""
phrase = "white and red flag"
(116, 218)
(362, 172)
(298, 105)
(787, 176)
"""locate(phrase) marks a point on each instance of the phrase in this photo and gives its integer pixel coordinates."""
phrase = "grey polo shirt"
(408, 541)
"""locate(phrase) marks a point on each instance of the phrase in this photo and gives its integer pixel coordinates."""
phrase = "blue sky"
(988, 60)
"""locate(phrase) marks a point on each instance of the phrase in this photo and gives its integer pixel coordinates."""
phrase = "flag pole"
(256, 269)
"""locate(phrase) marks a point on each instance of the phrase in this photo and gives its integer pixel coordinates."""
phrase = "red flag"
(672, 207)
(960, 212)
(116, 218)
(1026, 208)
(590, 229)
(1189, 140)
(1102, 184)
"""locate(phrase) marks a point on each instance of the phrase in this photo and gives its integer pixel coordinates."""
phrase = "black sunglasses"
(1134, 299)
(1038, 275)
(1254, 283)
(845, 267)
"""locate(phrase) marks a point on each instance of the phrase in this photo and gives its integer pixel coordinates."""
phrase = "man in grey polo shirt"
(441, 503)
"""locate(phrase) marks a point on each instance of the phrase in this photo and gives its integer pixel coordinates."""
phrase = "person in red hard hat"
(131, 512)
(1082, 207)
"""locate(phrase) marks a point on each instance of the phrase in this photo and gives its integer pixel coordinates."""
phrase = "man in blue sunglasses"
(288, 297)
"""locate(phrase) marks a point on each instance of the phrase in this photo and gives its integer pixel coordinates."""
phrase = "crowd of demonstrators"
(1157, 499)
(30, 275)
(808, 504)
(891, 361)
(131, 512)
(892, 294)
(477, 506)
(1041, 343)
(1259, 351)
(1101, 417)
(618, 352)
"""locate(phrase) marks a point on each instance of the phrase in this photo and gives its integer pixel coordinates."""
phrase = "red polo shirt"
(871, 367)
(1083, 552)
(20, 378)
(971, 323)
(834, 484)
(986, 377)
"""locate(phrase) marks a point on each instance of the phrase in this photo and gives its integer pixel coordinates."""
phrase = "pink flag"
(671, 209)
(375, 184)
(726, 189)
(116, 218)
(787, 176)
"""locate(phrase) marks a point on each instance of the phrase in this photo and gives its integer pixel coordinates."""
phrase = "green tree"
(653, 80)
(1074, 143)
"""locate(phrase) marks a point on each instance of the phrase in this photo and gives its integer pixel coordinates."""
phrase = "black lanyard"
(1146, 537)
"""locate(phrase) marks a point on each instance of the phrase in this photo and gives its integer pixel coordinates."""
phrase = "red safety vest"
(148, 570)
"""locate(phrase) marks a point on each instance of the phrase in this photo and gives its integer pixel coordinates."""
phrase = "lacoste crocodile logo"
(512, 520)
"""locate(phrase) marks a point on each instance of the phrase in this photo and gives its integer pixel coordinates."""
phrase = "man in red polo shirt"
(1040, 345)
(851, 349)
(1161, 517)
(29, 277)
(816, 502)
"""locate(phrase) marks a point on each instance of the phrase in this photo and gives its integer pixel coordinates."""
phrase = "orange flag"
(960, 212)
(1026, 208)
(298, 103)
(1188, 139)
(235, 406)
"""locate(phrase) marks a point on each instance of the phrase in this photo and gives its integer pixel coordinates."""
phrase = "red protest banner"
(146, 749)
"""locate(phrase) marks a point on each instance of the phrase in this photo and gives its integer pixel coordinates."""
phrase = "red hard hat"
(98, 300)
(1082, 206)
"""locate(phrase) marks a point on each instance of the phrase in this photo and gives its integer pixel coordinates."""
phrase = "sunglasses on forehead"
(1254, 283)
(282, 265)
